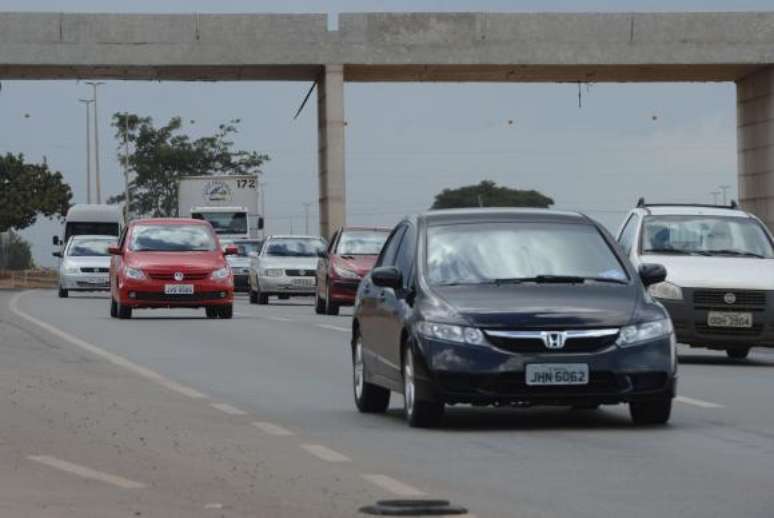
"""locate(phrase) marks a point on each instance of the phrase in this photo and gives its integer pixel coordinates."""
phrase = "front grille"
(532, 345)
(163, 297)
(94, 270)
(170, 276)
(300, 273)
(704, 329)
(716, 298)
(82, 284)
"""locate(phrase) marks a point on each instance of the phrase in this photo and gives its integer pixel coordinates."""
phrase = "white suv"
(719, 289)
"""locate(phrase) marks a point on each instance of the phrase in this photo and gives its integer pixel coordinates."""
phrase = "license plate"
(557, 374)
(304, 283)
(178, 289)
(729, 319)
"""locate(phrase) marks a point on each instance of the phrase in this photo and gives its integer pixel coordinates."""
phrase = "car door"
(370, 311)
(323, 265)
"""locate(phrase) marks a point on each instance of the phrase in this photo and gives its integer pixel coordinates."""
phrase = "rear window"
(171, 238)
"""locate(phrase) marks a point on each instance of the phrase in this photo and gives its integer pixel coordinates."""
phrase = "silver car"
(286, 266)
(85, 264)
(240, 262)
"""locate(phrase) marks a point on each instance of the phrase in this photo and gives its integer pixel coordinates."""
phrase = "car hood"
(360, 264)
(89, 262)
(176, 261)
(716, 272)
(238, 261)
(290, 263)
(544, 306)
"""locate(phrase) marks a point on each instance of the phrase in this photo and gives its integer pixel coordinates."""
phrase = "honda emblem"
(553, 339)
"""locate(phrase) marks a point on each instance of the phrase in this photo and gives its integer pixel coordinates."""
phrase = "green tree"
(160, 156)
(15, 253)
(489, 194)
(28, 191)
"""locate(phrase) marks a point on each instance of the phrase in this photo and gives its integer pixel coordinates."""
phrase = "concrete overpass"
(735, 47)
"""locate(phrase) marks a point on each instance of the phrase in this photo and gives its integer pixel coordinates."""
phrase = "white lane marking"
(697, 402)
(272, 429)
(326, 454)
(214, 505)
(228, 409)
(393, 486)
(85, 472)
(279, 319)
(110, 357)
(335, 328)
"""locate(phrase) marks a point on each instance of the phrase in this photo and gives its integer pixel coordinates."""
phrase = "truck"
(91, 219)
(230, 203)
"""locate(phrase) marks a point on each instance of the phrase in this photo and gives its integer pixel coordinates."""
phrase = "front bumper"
(84, 281)
(241, 282)
(459, 373)
(150, 294)
(289, 285)
(690, 323)
(344, 292)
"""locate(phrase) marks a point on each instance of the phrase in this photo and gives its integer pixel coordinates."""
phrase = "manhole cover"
(413, 508)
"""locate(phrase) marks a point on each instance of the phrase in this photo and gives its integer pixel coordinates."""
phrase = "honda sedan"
(510, 307)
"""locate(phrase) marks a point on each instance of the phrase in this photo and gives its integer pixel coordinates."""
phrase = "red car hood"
(361, 264)
(176, 261)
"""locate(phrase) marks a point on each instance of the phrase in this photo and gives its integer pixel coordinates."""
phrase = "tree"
(163, 155)
(29, 190)
(488, 194)
(15, 253)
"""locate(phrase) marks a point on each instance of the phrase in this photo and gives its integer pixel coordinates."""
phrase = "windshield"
(89, 247)
(295, 247)
(362, 242)
(171, 238)
(705, 235)
(225, 222)
(492, 252)
(80, 228)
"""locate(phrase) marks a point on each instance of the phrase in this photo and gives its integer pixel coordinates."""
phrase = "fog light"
(223, 294)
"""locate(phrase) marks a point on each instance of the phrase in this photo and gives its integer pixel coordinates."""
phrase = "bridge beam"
(331, 134)
(755, 143)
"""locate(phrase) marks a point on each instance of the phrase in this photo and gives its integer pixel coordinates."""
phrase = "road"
(254, 417)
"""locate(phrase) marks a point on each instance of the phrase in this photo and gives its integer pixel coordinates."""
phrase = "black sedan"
(510, 307)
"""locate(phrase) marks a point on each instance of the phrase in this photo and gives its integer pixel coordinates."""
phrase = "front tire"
(212, 311)
(319, 306)
(261, 298)
(63, 293)
(331, 308)
(653, 412)
(369, 398)
(113, 308)
(124, 312)
(253, 297)
(419, 414)
(738, 354)
(227, 311)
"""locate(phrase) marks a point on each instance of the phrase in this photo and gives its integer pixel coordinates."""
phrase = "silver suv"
(719, 289)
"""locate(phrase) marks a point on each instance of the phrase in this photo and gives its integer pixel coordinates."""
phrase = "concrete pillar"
(330, 117)
(755, 143)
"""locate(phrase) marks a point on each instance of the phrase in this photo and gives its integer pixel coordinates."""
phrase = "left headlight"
(345, 273)
(452, 333)
(666, 290)
(220, 274)
(637, 334)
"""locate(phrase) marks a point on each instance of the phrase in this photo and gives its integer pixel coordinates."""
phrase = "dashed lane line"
(272, 429)
(335, 328)
(697, 402)
(326, 454)
(83, 471)
(115, 359)
(393, 486)
(228, 409)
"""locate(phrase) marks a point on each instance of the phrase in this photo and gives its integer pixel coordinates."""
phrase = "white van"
(92, 220)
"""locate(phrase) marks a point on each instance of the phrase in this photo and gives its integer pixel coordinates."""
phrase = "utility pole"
(724, 188)
(262, 186)
(94, 85)
(88, 102)
(127, 198)
(306, 217)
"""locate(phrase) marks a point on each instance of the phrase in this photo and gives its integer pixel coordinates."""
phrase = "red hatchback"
(170, 263)
(351, 254)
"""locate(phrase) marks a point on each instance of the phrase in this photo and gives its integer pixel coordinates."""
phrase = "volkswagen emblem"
(179, 276)
(729, 298)
(553, 339)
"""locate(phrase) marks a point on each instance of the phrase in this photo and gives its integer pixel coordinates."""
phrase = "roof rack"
(641, 204)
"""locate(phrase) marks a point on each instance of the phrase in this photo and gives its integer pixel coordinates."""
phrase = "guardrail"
(26, 279)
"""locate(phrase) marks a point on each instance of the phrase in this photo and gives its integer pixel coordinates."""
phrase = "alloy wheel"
(358, 369)
(409, 392)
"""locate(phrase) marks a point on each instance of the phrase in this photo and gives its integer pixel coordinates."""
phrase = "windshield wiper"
(542, 279)
(676, 251)
(740, 253)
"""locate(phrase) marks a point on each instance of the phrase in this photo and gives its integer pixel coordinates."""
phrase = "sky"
(406, 142)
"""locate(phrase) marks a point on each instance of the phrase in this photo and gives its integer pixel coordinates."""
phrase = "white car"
(719, 289)
(85, 264)
(286, 266)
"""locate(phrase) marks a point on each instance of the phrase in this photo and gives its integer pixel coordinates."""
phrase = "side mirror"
(387, 277)
(114, 250)
(55, 240)
(651, 273)
(57, 254)
(260, 223)
(231, 250)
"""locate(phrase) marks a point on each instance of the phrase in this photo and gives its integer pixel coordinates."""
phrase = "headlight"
(221, 274)
(634, 335)
(345, 273)
(666, 290)
(69, 268)
(273, 272)
(452, 333)
(134, 273)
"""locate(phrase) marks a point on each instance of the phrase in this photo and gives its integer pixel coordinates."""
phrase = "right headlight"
(273, 272)
(637, 334)
(666, 290)
(451, 333)
(134, 273)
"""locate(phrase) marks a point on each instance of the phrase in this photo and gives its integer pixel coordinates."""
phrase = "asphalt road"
(289, 370)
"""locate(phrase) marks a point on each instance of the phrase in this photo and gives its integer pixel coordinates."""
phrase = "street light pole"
(94, 85)
(127, 198)
(306, 217)
(88, 102)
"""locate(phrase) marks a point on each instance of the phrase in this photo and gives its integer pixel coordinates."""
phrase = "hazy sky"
(406, 142)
